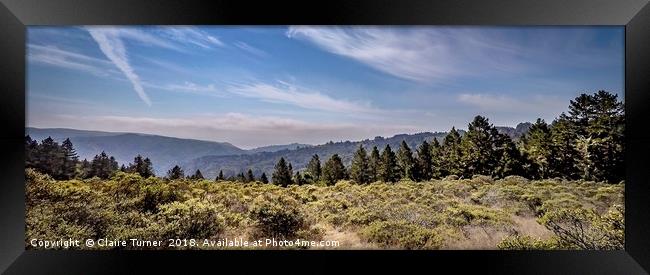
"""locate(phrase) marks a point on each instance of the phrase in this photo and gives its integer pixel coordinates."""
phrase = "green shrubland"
(508, 213)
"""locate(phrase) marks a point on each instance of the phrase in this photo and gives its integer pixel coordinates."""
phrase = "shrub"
(400, 234)
(190, 219)
(586, 229)
(277, 216)
(527, 243)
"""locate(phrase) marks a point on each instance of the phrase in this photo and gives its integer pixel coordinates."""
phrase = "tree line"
(585, 143)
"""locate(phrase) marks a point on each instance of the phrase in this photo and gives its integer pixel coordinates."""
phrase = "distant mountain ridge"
(265, 162)
(212, 156)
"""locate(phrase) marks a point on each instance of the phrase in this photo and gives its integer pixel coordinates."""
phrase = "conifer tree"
(477, 147)
(537, 147)
(220, 176)
(360, 168)
(566, 155)
(175, 173)
(333, 171)
(298, 179)
(69, 160)
(405, 161)
(263, 178)
(374, 164)
(249, 176)
(281, 175)
(424, 162)
(314, 168)
(389, 171)
(450, 159)
(436, 159)
(197, 175)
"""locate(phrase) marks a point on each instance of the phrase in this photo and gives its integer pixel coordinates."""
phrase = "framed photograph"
(492, 136)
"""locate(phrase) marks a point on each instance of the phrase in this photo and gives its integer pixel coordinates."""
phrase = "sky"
(258, 86)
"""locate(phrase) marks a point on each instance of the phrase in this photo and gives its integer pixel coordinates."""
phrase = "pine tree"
(477, 147)
(405, 161)
(85, 169)
(538, 149)
(263, 178)
(50, 158)
(360, 168)
(333, 171)
(141, 166)
(220, 176)
(197, 175)
(374, 164)
(175, 173)
(436, 159)
(599, 126)
(314, 168)
(508, 158)
(563, 141)
(249, 176)
(281, 175)
(69, 161)
(241, 177)
(389, 171)
(450, 159)
(30, 152)
(424, 162)
(298, 179)
(290, 168)
(103, 166)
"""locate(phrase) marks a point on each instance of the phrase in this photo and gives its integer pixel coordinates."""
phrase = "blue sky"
(256, 86)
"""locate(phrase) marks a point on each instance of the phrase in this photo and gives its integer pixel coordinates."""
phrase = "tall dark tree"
(85, 169)
(30, 152)
(290, 168)
(175, 173)
(241, 177)
(424, 162)
(69, 160)
(566, 155)
(141, 166)
(333, 171)
(477, 146)
(360, 167)
(103, 166)
(374, 164)
(220, 176)
(263, 178)
(537, 147)
(249, 176)
(50, 158)
(197, 175)
(389, 171)
(314, 168)
(451, 154)
(599, 124)
(281, 175)
(298, 179)
(436, 159)
(405, 161)
(508, 158)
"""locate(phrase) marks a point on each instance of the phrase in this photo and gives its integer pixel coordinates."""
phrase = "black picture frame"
(15, 15)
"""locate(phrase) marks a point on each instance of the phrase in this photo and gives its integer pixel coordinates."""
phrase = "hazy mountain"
(164, 152)
(265, 162)
(515, 133)
(210, 156)
(275, 148)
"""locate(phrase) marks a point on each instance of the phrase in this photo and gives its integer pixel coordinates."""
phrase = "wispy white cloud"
(54, 56)
(287, 93)
(110, 43)
(250, 49)
(430, 55)
(189, 35)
